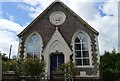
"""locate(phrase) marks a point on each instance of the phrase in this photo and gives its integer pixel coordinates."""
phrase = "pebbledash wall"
(59, 36)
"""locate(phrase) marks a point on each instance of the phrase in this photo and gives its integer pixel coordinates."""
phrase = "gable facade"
(56, 40)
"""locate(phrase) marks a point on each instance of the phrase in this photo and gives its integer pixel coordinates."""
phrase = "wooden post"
(10, 51)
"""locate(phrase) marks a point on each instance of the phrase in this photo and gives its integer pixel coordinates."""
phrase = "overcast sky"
(102, 15)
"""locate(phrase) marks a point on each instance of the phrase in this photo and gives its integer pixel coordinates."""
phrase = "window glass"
(77, 53)
(78, 61)
(85, 61)
(84, 46)
(85, 54)
(81, 50)
(77, 40)
(33, 46)
(77, 46)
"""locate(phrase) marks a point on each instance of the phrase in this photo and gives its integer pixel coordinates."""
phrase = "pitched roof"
(73, 13)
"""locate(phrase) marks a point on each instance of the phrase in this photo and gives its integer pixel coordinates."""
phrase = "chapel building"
(58, 35)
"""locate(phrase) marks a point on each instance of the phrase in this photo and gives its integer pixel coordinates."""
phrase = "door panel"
(60, 59)
(55, 61)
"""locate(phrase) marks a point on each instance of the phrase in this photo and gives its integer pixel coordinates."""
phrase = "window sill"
(88, 66)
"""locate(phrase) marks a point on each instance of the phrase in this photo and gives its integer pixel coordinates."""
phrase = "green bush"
(68, 69)
(33, 67)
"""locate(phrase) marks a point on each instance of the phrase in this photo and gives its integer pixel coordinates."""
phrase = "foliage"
(4, 58)
(33, 67)
(30, 66)
(110, 65)
(9, 65)
(68, 69)
(19, 66)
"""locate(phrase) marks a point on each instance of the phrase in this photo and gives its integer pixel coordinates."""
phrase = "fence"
(59, 80)
(13, 77)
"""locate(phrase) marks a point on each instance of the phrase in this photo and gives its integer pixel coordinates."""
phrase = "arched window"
(81, 50)
(33, 48)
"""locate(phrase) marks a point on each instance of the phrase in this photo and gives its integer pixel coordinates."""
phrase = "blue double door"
(55, 61)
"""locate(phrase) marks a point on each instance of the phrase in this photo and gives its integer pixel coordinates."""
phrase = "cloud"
(7, 39)
(0, 10)
(111, 8)
(26, 7)
(11, 18)
(119, 27)
(7, 25)
(8, 36)
(34, 7)
(86, 10)
(106, 25)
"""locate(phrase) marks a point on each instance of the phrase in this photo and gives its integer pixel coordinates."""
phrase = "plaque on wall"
(57, 18)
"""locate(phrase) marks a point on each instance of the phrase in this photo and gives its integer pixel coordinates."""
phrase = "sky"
(15, 15)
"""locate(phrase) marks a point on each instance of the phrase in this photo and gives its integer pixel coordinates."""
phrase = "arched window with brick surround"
(33, 46)
(81, 50)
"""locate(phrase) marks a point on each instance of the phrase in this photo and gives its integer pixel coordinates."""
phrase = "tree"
(33, 67)
(110, 65)
(4, 58)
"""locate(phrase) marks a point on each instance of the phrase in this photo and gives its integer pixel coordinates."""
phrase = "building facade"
(59, 35)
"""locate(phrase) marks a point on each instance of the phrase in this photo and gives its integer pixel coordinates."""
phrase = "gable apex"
(67, 8)
(57, 43)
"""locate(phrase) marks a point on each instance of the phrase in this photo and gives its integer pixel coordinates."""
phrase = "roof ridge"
(57, 1)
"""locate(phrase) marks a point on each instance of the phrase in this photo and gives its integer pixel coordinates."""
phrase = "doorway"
(56, 59)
